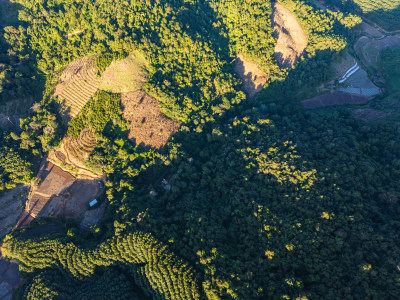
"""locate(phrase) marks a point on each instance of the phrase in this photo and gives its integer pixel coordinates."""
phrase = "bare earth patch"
(58, 193)
(291, 39)
(341, 66)
(10, 207)
(149, 127)
(78, 83)
(334, 98)
(369, 49)
(251, 74)
(126, 75)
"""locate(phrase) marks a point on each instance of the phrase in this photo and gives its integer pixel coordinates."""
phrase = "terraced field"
(78, 83)
(78, 149)
(73, 152)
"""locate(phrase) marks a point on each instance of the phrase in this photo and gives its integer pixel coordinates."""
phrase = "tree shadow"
(21, 80)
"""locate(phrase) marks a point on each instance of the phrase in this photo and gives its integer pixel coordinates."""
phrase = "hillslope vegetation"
(240, 196)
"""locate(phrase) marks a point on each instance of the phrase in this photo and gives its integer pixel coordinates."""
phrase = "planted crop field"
(73, 152)
(78, 83)
(79, 149)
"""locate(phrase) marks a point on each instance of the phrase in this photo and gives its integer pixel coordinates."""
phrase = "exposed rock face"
(251, 74)
(292, 41)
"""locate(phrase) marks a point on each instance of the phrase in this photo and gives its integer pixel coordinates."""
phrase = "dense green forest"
(382, 12)
(251, 199)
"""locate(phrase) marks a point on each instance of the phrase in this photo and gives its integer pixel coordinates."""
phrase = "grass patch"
(125, 75)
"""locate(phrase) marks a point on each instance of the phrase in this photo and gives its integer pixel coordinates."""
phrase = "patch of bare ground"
(251, 74)
(72, 203)
(340, 66)
(371, 31)
(291, 38)
(334, 98)
(369, 114)
(73, 33)
(73, 152)
(51, 181)
(369, 49)
(149, 127)
(58, 193)
(9, 278)
(11, 207)
(93, 216)
(78, 83)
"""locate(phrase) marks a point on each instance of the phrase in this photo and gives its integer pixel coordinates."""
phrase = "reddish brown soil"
(149, 126)
(252, 75)
(334, 98)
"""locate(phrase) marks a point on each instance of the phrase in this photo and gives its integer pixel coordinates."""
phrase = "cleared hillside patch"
(10, 208)
(148, 127)
(291, 38)
(125, 75)
(369, 49)
(332, 99)
(78, 83)
(73, 152)
(253, 77)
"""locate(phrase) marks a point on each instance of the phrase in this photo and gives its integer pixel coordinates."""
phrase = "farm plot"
(51, 181)
(291, 38)
(72, 203)
(73, 152)
(58, 193)
(126, 75)
(371, 31)
(78, 83)
(334, 98)
(149, 127)
(11, 207)
(251, 74)
(359, 83)
(369, 49)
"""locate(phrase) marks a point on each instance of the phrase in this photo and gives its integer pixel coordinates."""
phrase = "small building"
(93, 202)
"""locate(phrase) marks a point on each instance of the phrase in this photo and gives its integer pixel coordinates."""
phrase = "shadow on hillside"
(21, 79)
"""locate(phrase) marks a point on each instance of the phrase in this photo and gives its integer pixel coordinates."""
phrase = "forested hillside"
(251, 198)
(382, 12)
